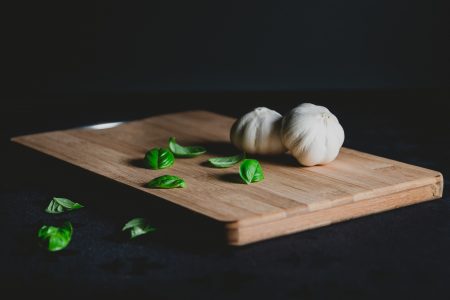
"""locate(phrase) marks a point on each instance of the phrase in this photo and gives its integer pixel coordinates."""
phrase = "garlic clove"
(312, 134)
(258, 132)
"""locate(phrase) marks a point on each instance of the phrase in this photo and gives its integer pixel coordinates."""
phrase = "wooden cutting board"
(290, 199)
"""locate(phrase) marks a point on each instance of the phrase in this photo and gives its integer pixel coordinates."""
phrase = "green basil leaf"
(59, 205)
(226, 162)
(251, 171)
(56, 238)
(137, 227)
(166, 182)
(181, 151)
(159, 158)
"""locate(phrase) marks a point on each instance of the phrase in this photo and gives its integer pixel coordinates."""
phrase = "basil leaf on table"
(188, 151)
(56, 238)
(251, 171)
(226, 162)
(166, 182)
(60, 205)
(159, 158)
(137, 227)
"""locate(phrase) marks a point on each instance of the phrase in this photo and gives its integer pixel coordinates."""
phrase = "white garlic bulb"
(258, 132)
(312, 134)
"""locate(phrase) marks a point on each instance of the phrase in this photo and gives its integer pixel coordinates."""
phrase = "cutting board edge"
(229, 224)
(434, 179)
(243, 235)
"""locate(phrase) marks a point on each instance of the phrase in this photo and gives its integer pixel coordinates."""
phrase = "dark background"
(381, 66)
(146, 46)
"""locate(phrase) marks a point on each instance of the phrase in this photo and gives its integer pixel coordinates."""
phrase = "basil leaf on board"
(60, 205)
(159, 158)
(56, 238)
(226, 162)
(166, 182)
(251, 171)
(181, 151)
(137, 227)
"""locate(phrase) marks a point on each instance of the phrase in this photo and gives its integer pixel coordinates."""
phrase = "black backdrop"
(147, 46)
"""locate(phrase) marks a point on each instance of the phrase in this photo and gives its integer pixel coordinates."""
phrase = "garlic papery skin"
(312, 134)
(258, 132)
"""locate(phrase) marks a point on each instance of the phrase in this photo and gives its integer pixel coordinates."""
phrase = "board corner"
(232, 234)
(439, 191)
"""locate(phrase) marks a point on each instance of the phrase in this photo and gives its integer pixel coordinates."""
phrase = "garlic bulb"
(258, 132)
(312, 134)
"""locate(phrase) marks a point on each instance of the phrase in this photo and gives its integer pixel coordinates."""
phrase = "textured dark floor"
(403, 253)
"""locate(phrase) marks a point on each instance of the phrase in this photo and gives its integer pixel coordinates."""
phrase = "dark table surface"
(403, 253)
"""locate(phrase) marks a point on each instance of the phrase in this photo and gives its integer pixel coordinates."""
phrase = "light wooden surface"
(290, 199)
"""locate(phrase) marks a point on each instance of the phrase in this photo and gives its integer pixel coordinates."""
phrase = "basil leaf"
(189, 151)
(226, 162)
(251, 171)
(137, 227)
(166, 182)
(56, 238)
(59, 205)
(159, 158)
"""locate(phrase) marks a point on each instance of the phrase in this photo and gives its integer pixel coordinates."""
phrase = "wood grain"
(290, 199)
